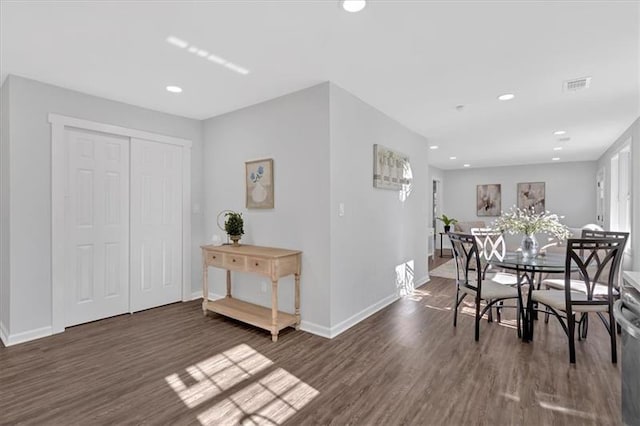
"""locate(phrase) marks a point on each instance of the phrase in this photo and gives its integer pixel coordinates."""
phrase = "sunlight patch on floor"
(217, 373)
(569, 411)
(269, 400)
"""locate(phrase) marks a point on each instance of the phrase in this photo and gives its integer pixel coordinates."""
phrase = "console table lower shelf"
(256, 315)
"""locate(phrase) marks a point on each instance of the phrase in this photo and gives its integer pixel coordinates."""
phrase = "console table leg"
(274, 311)
(228, 283)
(297, 301)
(205, 286)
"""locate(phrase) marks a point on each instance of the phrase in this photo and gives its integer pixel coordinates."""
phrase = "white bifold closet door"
(96, 226)
(156, 224)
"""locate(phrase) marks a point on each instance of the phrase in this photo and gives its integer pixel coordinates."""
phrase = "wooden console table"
(272, 262)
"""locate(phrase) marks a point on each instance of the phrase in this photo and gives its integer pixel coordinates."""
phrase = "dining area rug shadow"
(446, 270)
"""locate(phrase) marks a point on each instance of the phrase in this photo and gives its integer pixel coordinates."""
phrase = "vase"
(235, 239)
(529, 246)
(259, 194)
(447, 228)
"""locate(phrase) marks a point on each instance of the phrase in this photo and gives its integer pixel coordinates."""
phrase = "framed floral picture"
(259, 184)
(488, 200)
(531, 195)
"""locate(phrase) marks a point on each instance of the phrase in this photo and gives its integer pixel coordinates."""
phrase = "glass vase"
(529, 246)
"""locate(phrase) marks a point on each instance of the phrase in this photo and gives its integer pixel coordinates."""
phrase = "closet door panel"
(96, 226)
(156, 224)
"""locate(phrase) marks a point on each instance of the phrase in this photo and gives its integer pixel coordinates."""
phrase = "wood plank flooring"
(404, 365)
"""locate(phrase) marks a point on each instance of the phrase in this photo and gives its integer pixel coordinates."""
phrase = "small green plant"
(234, 225)
(447, 221)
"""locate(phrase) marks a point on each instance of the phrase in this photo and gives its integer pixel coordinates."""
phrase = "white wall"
(294, 131)
(632, 132)
(570, 189)
(4, 209)
(30, 185)
(379, 230)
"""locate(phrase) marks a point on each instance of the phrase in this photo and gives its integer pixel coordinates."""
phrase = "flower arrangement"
(529, 222)
(257, 175)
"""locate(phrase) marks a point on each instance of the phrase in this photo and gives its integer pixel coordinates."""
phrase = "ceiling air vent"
(577, 84)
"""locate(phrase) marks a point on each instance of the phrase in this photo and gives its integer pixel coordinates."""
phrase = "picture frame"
(259, 184)
(391, 169)
(489, 200)
(532, 195)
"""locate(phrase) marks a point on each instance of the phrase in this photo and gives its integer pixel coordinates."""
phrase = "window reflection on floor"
(237, 381)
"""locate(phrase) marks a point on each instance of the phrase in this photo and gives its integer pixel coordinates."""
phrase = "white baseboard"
(363, 314)
(313, 328)
(422, 281)
(26, 336)
(4, 334)
(212, 296)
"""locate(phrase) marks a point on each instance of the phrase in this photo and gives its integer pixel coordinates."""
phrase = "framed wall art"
(489, 200)
(259, 184)
(391, 169)
(531, 195)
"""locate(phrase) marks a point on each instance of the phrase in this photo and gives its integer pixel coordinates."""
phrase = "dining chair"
(596, 260)
(600, 288)
(491, 246)
(471, 281)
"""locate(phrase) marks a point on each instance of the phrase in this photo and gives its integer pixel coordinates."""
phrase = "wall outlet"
(263, 286)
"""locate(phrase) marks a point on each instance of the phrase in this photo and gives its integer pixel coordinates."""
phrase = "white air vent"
(577, 84)
(565, 139)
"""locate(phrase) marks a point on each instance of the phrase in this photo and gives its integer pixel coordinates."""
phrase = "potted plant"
(234, 226)
(447, 221)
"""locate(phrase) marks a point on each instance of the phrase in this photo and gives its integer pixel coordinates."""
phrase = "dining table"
(529, 271)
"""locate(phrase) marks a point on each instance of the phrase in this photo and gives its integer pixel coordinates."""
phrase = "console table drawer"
(260, 266)
(234, 262)
(214, 259)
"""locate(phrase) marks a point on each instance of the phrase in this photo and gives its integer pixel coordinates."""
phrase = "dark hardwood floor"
(404, 365)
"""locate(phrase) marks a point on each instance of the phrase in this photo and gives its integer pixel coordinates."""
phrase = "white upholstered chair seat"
(503, 278)
(492, 290)
(600, 290)
(556, 300)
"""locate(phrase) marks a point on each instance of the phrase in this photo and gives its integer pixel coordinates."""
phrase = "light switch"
(341, 209)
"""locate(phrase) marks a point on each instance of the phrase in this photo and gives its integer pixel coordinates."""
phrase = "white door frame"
(58, 200)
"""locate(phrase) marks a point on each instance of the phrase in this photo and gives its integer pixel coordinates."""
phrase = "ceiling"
(415, 61)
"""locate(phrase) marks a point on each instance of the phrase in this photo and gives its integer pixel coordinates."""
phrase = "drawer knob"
(256, 263)
(213, 257)
(234, 260)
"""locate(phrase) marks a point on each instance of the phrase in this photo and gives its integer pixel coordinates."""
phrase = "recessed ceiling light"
(506, 97)
(452, 158)
(557, 148)
(353, 5)
(174, 89)
(193, 49)
(466, 165)
(555, 159)
(434, 147)
(559, 132)
(202, 53)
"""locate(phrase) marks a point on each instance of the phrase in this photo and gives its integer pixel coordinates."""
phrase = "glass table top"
(553, 262)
